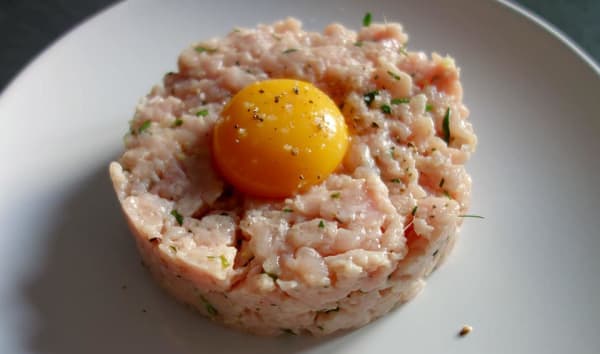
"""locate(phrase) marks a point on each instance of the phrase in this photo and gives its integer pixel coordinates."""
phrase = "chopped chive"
(202, 113)
(177, 216)
(369, 97)
(208, 306)
(335, 195)
(367, 19)
(290, 50)
(395, 180)
(358, 44)
(144, 126)
(173, 248)
(446, 126)
(402, 50)
(201, 49)
(287, 210)
(400, 100)
(386, 109)
(224, 262)
(392, 152)
(414, 210)
(395, 76)
(321, 224)
(442, 181)
(471, 216)
(428, 107)
(178, 122)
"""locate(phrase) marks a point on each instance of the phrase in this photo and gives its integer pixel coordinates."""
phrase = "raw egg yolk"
(278, 137)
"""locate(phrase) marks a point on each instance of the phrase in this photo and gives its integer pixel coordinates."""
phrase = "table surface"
(29, 26)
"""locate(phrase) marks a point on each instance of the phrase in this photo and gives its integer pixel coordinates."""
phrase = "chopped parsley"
(202, 113)
(400, 100)
(290, 50)
(287, 210)
(288, 331)
(144, 126)
(271, 275)
(358, 43)
(392, 152)
(395, 180)
(428, 107)
(471, 216)
(335, 195)
(173, 248)
(178, 122)
(446, 126)
(331, 310)
(386, 109)
(414, 210)
(321, 224)
(224, 262)
(209, 307)
(201, 49)
(369, 97)
(367, 19)
(395, 76)
(177, 216)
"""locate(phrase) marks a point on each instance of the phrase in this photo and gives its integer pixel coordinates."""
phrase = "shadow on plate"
(91, 294)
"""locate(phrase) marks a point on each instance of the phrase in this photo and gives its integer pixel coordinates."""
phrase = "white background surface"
(526, 277)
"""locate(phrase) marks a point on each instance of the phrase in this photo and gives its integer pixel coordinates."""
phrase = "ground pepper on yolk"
(278, 137)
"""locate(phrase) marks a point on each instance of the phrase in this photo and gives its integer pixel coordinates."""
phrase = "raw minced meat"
(338, 255)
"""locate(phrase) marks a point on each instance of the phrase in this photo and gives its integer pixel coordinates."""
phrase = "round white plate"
(525, 277)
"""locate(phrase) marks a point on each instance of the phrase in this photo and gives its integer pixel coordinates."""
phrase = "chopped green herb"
(370, 96)
(202, 113)
(447, 194)
(367, 19)
(201, 49)
(446, 126)
(291, 50)
(358, 44)
(332, 310)
(335, 195)
(173, 248)
(471, 216)
(392, 152)
(287, 210)
(414, 210)
(288, 331)
(320, 328)
(395, 76)
(402, 50)
(442, 181)
(386, 109)
(144, 126)
(400, 100)
(428, 107)
(177, 216)
(321, 224)
(209, 307)
(178, 122)
(374, 125)
(395, 180)
(272, 275)
(224, 262)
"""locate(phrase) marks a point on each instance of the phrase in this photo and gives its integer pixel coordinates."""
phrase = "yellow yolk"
(278, 137)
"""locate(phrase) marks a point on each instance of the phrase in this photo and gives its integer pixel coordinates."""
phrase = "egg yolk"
(278, 137)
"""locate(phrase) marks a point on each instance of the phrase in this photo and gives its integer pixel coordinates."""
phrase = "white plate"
(526, 277)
